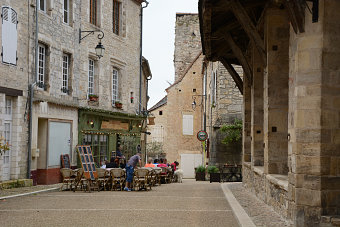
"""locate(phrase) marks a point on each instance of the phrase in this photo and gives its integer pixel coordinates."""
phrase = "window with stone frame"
(91, 78)
(94, 9)
(115, 86)
(45, 6)
(42, 76)
(67, 11)
(66, 87)
(116, 16)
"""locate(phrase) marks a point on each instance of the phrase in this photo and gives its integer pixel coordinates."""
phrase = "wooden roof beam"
(239, 55)
(249, 27)
(236, 77)
(296, 15)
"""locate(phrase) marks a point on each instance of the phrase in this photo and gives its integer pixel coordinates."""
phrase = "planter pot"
(118, 105)
(94, 99)
(215, 177)
(200, 176)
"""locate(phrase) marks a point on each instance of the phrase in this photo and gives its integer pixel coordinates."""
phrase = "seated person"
(174, 166)
(155, 162)
(122, 163)
(119, 152)
(149, 164)
(162, 164)
(112, 163)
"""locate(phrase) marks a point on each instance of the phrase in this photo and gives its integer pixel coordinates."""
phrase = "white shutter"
(9, 36)
(188, 128)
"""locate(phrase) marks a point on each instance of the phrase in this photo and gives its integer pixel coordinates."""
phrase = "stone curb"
(241, 216)
(29, 193)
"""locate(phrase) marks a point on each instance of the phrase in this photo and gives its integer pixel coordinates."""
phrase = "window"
(214, 87)
(42, 5)
(93, 11)
(114, 86)
(160, 112)
(99, 147)
(8, 106)
(41, 66)
(66, 11)
(9, 36)
(66, 73)
(188, 126)
(91, 77)
(116, 16)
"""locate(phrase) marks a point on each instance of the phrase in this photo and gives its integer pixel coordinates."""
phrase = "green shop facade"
(104, 131)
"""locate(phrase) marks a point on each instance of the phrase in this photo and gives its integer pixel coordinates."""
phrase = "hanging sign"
(202, 135)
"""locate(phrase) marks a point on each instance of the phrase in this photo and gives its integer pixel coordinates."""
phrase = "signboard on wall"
(112, 124)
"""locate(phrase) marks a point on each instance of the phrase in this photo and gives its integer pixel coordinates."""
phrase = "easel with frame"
(89, 167)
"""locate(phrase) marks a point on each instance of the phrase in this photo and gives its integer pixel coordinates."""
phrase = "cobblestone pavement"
(22, 190)
(260, 213)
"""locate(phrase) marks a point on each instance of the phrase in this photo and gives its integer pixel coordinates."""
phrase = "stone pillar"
(276, 91)
(314, 119)
(246, 143)
(257, 110)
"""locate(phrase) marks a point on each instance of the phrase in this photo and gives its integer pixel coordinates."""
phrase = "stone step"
(16, 183)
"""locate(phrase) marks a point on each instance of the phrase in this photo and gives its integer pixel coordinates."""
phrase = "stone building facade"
(224, 106)
(14, 87)
(187, 42)
(75, 92)
(289, 52)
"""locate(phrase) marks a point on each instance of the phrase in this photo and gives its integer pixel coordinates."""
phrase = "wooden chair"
(165, 175)
(80, 181)
(158, 171)
(117, 178)
(103, 178)
(68, 178)
(141, 179)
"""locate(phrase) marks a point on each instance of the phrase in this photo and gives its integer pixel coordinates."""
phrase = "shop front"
(104, 131)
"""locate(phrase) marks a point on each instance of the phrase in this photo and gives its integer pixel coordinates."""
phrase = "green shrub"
(233, 132)
(200, 169)
(213, 169)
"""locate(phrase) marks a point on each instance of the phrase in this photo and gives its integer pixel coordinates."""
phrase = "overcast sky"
(158, 42)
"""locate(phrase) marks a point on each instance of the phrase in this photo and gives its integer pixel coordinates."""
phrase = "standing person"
(130, 166)
(119, 152)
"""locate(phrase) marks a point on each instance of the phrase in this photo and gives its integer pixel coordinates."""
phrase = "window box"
(118, 105)
(93, 98)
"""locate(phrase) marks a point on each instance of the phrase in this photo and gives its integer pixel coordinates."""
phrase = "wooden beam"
(11, 91)
(239, 55)
(233, 74)
(249, 27)
(296, 15)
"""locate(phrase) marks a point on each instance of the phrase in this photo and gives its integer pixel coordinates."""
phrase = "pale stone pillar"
(246, 120)
(314, 119)
(257, 110)
(276, 92)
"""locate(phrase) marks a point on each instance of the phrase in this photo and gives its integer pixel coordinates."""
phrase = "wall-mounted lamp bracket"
(100, 35)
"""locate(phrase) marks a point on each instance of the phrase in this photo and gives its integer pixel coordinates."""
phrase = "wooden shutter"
(9, 36)
(188, 128)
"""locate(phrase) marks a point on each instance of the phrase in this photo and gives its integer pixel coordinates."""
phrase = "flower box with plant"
(200, 173)
(214, 173)
(3, 146)
(93, 97)
(118, 104)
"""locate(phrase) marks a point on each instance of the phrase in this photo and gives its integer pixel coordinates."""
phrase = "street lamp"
(99, 48)
(193, 104)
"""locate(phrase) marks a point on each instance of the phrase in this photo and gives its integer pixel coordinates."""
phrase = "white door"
(188, 164)
(6, 167)
(59, 142)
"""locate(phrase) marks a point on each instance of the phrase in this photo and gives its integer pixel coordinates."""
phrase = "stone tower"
(187, 41)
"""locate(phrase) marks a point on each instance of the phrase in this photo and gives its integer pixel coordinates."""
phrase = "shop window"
(99, 147)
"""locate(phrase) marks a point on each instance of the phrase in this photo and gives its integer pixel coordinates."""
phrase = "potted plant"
(118, 104)
(200, 173)
(93, 97)
(214, 173)
(3, 146)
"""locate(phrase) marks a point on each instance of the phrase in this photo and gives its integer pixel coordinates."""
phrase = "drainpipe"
(31, 93)
(141, 56)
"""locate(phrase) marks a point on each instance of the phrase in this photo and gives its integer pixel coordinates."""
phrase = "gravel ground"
(260, 213)
(15, 191)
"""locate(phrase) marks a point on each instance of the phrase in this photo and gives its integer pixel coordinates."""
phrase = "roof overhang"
(217, 18)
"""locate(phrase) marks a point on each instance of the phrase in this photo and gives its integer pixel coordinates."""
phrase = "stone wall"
(15, 77)
(179, 104)
(224, 106)
(187, 42)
